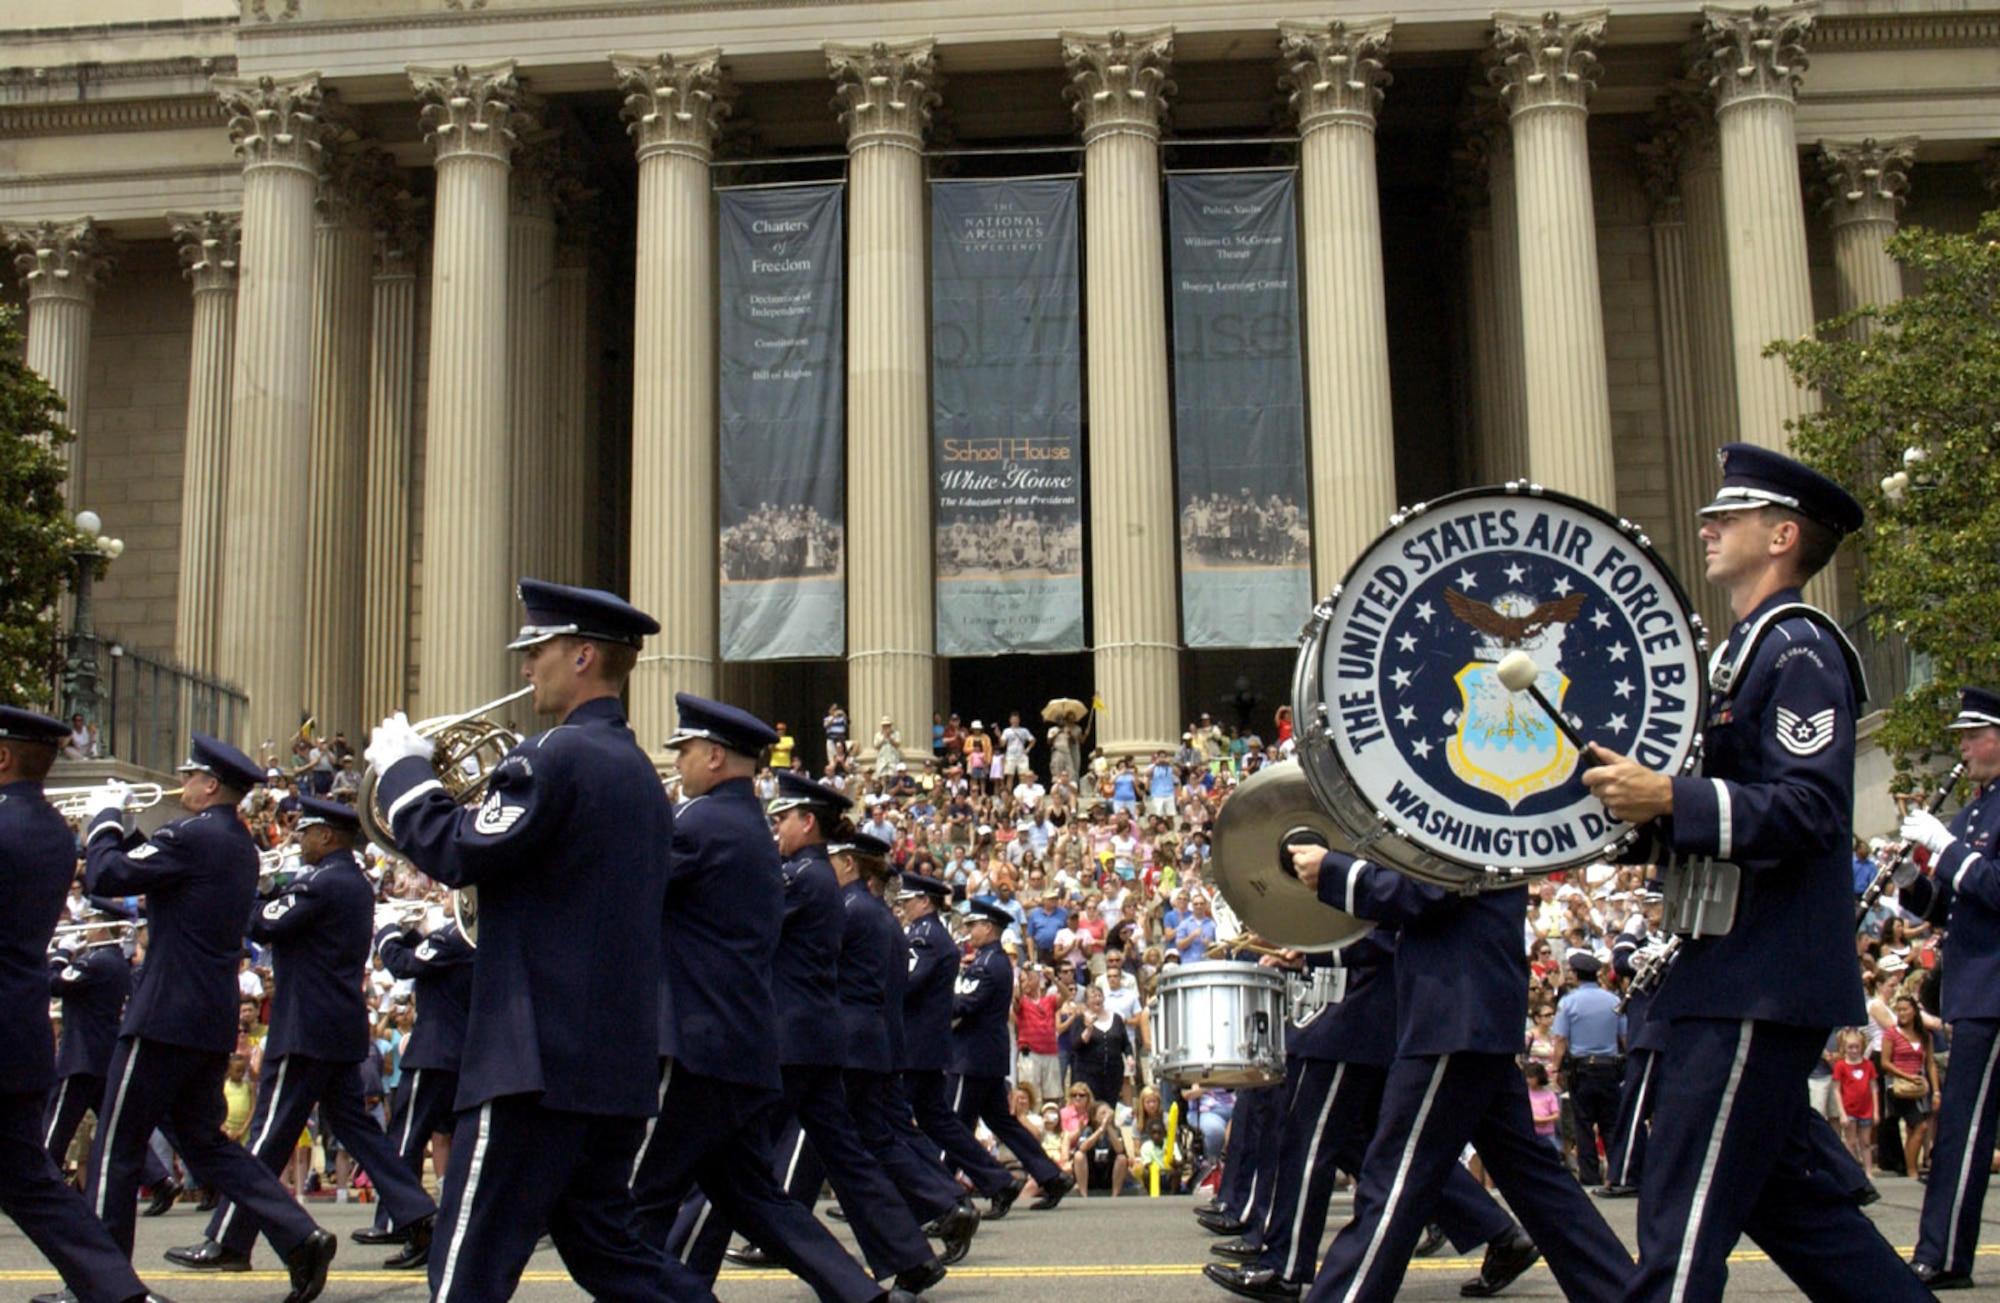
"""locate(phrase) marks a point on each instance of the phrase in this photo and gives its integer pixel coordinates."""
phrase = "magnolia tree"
(1911, 424)
(37, 539)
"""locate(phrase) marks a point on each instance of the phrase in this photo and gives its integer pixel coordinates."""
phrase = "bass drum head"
(1406, 733)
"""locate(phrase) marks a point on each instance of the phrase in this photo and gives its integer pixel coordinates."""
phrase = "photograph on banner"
(783, 400)
(1007, 416)
(1239, 408)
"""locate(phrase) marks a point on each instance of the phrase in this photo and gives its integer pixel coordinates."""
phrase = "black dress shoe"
(211, 1199)
(1222, 1224)
(999, 1205)
(1938, 1278)
(1240, 1249)
(917, 1279)
(836, 1212)
(1432, 1241)
(749, 1256)
(1052, 1193)
(1615, 1191)
(956, 1228)
(897, 1296)
(1507, 1256)
(1866, 1195)
(164, 1195)
(209, 1256)
(417, 1249)
(378, 1235)
(1253, 1282)
(62, 1296)
(308, 1263)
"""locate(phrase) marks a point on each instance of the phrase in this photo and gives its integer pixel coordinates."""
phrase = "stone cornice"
(1905, 32)
(1333, 71)
(1119, 82)
(69, 77)
(210, 245)
(884, 92)
(1756, 54)
(109, 117)
(470, 111)
(674, 104)
(61, 260)
(1547, 60)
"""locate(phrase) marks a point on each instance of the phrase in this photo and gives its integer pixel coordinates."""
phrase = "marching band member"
(1748, 1011)
(318, 930)
(93, 983)
(570, 852)
(1625, 1155)
(721, 1085)
(1962, 890)
(37, 862)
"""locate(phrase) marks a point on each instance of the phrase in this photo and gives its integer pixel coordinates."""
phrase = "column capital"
(1755, 53)
(61, 260)
(1334, 73)
(1119, 81)
(885, 91)
(399, 218)
(348, 185)
(210, 244)
(674, 104)
(538, 166)
(1866, 180)
(1683, 138)
(275, 121)
(471, 110)
(1546, 60)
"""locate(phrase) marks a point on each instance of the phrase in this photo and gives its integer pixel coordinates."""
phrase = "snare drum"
(1406, 733)
(1218, 1023)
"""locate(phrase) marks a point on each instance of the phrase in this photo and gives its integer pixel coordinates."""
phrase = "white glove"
(388, 916)
(394, 739)
(111, 796)
(1922, 828)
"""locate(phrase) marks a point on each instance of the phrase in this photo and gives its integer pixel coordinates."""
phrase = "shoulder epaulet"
(1723, 674)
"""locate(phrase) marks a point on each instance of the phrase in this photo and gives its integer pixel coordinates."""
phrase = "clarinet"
(1896, 856)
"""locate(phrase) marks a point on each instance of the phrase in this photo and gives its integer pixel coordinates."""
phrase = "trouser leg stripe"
(465, 1205)
(111, 1125)
(1685, 1267)
(1305, 1178)
(1965, 1159)
(1388, 1216)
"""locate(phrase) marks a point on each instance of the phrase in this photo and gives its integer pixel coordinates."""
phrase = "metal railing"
(145, 706)
(1891, 668)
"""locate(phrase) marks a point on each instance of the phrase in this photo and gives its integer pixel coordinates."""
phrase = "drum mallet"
(1516, 672)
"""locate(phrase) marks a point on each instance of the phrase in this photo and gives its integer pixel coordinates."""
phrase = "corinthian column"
(209, 246)
(469, 115)
(1545, 72)
(571, 481)
(392, 372)
(1120, 87)
(531, 269)
(885, 98)
(1335, 77)
(278, 131)
(60, 265)
(1865, 184)
(1506, 431)
(1661, 160)
(671, 104)
(343, 265)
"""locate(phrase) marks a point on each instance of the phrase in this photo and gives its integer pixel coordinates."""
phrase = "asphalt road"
(1098, 1248)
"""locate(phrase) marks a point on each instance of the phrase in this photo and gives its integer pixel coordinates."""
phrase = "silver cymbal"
(1252, 869)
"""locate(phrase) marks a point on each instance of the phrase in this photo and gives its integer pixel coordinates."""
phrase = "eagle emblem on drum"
(1503, 744)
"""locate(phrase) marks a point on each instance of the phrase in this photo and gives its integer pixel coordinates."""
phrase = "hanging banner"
(1006, 386)
(1239, 409)
(783, 401)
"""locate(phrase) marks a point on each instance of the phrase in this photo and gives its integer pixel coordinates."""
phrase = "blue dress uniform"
(1589, 1020)
(1461, 1000)
(1335, 1070)
(928, 997)
(1251, 1152)
(982, 1052)
(721, 1086)
(1748, 1012)
(570, 852)
(37, 861)
(93, 985)
(318, 931)
(1625, 1158)
(439, 967)
(199, 877)
(1963, 892)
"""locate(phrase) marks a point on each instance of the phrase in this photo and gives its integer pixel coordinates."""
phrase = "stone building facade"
(365, 307)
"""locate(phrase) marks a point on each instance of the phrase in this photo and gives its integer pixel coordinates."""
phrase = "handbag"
(1910, 1088)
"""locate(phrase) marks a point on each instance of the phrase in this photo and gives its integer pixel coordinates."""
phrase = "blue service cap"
(1977, 708)
(1583, 963)
(725, 725)
(861, 843)
(221, 761)
(796, 789)
(558, 611)
(1759, 477)
(19, 725)
(978, 910)
(918, 884)
(318, 810)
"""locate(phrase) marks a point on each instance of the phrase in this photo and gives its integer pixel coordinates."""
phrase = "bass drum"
(1407, 735)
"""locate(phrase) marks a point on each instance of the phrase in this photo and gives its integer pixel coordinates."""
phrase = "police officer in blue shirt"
(92, 983)
(1589, 1037)
(927, 1017)
(982, 1050)
(318, 929)
(1461, 1001)
(438, 965)
(37, 862)
(1962, 890)
(199, 877)
(1730, 1151)
(721, 1087)
(570, 852)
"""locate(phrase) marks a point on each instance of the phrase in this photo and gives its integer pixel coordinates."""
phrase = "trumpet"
(72, 802)
(121, 930)
(277, 868)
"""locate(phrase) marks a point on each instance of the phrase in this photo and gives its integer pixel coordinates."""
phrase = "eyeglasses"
(1079, 1094)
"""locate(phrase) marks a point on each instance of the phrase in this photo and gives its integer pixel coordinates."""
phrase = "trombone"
(72, 802)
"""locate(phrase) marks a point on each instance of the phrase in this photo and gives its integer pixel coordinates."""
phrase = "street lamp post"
(80, 667)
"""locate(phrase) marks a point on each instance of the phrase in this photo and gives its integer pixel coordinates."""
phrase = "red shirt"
(1857, 1088)
(1036, 1021)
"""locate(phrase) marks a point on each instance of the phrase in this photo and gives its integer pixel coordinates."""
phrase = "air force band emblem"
(1433, 744)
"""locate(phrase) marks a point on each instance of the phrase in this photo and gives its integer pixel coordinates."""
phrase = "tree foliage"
(37, 537)
(1911, 425)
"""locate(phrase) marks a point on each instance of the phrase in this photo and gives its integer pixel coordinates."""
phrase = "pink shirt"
(1037, 1023)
